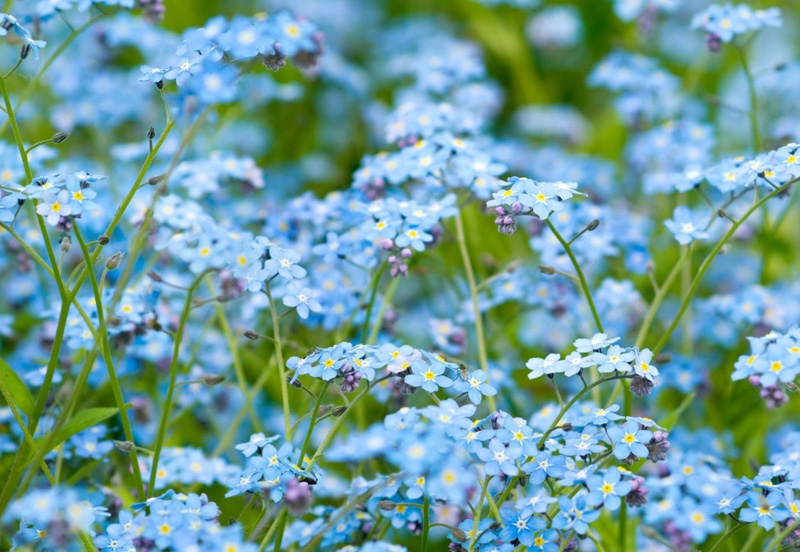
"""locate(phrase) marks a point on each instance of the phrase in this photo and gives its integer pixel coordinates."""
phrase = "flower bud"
(103, 240)
(66, 242)
(114, 260)
(124, 446)
(151, 133)
(153, 180)
(60, 137)
(213, 379)
(386, 505)
(549, 270)
(250, 334)
(592, 226)
(339, 410)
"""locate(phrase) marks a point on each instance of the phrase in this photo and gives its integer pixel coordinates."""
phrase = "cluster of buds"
(398, 265)
(506, 218)
(774, 395)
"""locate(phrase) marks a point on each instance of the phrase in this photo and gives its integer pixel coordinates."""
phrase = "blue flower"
(606, 489)
(519, 527)
(500, 458)
(544, 464)
(764, 510)
(575, 514)
(686, 226)
(475, 386)
(428, 376)
(302, 299)
(283, 262)
(629, 439)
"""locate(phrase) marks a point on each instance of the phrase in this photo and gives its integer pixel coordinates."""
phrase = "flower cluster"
(773, 362)
(172, 521)
(723, 22)
(523, 196)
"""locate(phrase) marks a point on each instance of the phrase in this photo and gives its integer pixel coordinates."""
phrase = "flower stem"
(473, 539)
(237, 360)
(708, 260)
(105, 350)
(173, 374)
(751, 87)
(593, 373)
(473, 290)
(426, 522)
(581, 277)
(276, 332)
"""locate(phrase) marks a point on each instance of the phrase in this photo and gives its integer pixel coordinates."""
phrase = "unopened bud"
(151, 133)
(26, 49)
(114, 260)
(213, 379)
(103, 240)
(722, 213)
(459, 534)
(124, 446)
(66, 242)
(386, 505)
(339, 410)
(250, 334)
(60, 137)
(324, 409)
(160, 85)
(155, 276)
(549, 270)
(153, 180)
(592, 226)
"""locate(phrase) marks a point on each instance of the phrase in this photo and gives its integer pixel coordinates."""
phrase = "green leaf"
(19, 392)
(80, 421)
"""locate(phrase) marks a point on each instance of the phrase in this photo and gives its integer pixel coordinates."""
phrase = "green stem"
(622, 536)
(728, 534)
(476, 521)
(105, 350)
(278, 523)
(426, 522)
(751, 87)
(173, 374)
(338, 423)
(375, 284)
(385, 303)
(276, 332)
(708, 260)
(473, 291)
(314, 415)
(237, 361)
(581, 277)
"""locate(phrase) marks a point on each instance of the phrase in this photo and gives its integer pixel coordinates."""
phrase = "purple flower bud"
(658, 446)
(297, 497)
(713, 42)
